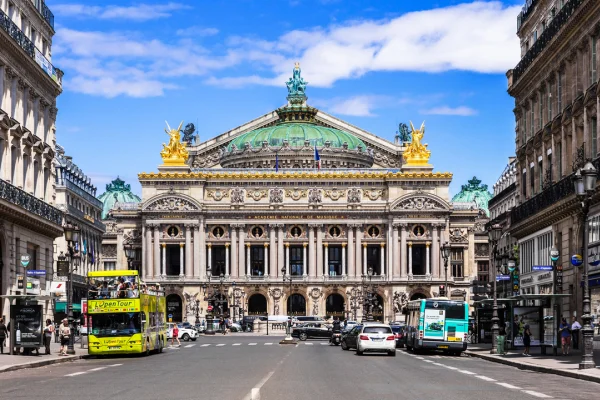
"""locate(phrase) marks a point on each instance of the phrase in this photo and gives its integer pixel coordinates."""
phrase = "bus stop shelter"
(28, 308)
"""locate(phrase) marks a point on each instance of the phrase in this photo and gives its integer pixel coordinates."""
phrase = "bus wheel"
(160, 345)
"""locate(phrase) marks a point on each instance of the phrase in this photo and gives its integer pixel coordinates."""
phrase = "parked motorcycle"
(336, 338)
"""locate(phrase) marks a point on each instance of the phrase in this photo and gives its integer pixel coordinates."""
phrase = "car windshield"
(377, 329)
(397, 329)
(115, 324)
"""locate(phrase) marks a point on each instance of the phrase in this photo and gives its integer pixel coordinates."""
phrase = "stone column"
(351, 270)
(319, 268)
(280, 255)
(394, 270)
(410, 271)
(197, 252)
(311, 251)
(403, 250)
(181, 261)
(248, 266)
(157, 269)
(343, 259)
(382, 259)
(266, 259)
(120, 250)
(240, 270)
(326, 266)
(202, 235)
(148, 251)
(272, 250)
(233, 261)
(227, 265)
(287, 259)
(364, 259)
(188, 251)
(436, 250)
(357, 252)
(427, 264)
(163, 271)
(304, 245)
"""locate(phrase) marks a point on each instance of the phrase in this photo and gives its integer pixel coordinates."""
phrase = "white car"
(371, 337)
(184, 333)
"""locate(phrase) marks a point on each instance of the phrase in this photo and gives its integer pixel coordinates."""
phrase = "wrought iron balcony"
(29, 203)
(45, 12)
(74, 211)
(558, 191)
(546, 37)
(525, 12)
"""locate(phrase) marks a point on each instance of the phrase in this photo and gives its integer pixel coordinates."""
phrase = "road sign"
(542, 267)
(25, 260)
(20, 282)
(554, 255)
(209, 308)
(576, 260)
(36, 272)
(503, 277)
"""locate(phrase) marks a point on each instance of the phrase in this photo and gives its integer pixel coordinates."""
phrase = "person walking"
(575, 328)
(65, 336)
(48, 331)
(565, 336)
(3, 335)
(175, 336)
(222, 325)
(526, 339)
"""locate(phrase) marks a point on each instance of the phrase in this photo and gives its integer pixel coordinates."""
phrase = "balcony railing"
(548, 197)
(525, 12)
(45, 11)
(27, 45)
(72, 210)
(546, 37)
(29, 203)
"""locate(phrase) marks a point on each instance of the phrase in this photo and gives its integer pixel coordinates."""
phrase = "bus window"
(454, 310)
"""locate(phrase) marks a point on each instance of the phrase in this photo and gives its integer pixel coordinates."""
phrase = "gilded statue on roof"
(416, 153)
(174, 153)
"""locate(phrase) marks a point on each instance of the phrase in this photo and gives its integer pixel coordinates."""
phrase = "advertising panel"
(28, 323)
(527, 316)
(434, 321)
(113, 306)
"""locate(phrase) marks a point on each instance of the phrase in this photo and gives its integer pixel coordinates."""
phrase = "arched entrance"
(418, 296)
(296, 304)
(174, 308)
(257, 304)
(334, 306)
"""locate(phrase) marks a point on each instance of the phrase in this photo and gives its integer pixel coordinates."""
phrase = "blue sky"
(129, 66)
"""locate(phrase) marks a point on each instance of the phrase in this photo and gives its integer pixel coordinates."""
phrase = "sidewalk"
(16, 362)
(549, 363)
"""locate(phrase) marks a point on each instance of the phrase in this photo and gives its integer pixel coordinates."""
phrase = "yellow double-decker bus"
(124, 315)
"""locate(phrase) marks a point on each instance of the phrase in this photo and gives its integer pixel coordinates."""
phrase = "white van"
(278, 318)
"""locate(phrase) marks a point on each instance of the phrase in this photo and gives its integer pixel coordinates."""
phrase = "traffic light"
(442, 290)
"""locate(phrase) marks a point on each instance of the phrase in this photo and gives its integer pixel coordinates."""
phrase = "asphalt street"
(230, 367)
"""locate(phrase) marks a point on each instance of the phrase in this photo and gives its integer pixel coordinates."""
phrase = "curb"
(42, 363)
(536, 368)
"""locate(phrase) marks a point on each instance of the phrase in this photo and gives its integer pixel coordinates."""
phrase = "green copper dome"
(116, 192)
(474, 192)
(296, 133)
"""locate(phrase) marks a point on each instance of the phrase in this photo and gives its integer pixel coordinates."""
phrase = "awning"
(491, 301)
(61, 306)
(32, 297)
(538, 296)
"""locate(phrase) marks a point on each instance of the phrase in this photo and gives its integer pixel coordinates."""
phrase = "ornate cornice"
(308, 175)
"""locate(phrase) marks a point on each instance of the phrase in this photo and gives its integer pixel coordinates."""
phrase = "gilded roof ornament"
(174, 153)
(416, 153)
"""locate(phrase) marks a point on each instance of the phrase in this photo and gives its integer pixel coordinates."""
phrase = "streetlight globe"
(68, 228)
(578, 182)
(76, 231)
(446, 250)
(589, 174)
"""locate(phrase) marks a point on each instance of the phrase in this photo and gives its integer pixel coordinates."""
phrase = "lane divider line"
(189, 345)
(97, 369)
(268, 344)
(77, 373)
(485, 378)
(236, 344)
(220, 344)
(205, 345)
(251, 344)
(537, 394)
(462, 371)
(508, 385)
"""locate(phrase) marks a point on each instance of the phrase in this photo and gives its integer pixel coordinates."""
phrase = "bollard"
(500, 344)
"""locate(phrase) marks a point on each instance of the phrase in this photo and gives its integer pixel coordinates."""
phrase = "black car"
(350, 338)
(312, 330)
(399, 333)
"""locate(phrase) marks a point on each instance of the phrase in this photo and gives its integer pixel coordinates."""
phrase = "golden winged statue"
(416, 153)
(174, 153)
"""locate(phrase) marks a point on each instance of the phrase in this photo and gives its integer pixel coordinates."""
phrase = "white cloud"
(139, 12)
(358, 106)
(445, 110)
(196, 31)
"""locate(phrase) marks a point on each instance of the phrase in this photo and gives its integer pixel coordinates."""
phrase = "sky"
(130, 66)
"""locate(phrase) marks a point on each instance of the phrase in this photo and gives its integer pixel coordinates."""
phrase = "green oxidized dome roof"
(474, 192)
(296, 133)
(117, 192)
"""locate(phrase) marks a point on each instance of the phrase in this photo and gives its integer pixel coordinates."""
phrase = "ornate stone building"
(556, 92)
(299, 192)
(29, 86)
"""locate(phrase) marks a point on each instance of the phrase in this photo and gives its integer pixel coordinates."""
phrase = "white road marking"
(441, 365)
(189, 345)
(429, 361)
(485, 378)
(537, 394)
(205, 345)
(419, 358)
(236, 344)
(115, 365)
(220, 344)
(268, 344)
(449, 367)
(508, 385)
(308, 344)
(466, 372)
(251, 344)
(255, 394)
(77, 373)
(324, 344)
(97, 369)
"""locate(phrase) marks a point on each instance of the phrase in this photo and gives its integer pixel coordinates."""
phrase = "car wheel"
(194, 339)
(358, 352)
(303, 336)
(344, 345)
(392, 353)
(185, 337)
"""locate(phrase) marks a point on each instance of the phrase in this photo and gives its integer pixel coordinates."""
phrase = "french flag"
(276, 162)
(317, 158)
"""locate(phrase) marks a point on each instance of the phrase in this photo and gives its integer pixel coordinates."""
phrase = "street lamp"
(72, 238)
(446, 255)
(495, 233)
(585, 186)
(209, 313)
(288, 332)
(130, 254)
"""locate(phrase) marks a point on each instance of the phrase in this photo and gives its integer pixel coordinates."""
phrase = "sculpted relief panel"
(420, 204)
(172, 204)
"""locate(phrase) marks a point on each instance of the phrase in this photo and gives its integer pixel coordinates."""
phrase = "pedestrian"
(565, 336)
(48, 331)
(3, 335)
(526, 339)
(575, 328)
(175, 336)
(65, 336)
(222, 325)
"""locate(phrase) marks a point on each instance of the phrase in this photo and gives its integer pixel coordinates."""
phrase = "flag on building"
(317, 158)
(276, 162)
(92, 254)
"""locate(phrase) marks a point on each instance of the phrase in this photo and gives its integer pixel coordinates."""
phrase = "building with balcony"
(555, 87)
(254, 204)
(29, 86)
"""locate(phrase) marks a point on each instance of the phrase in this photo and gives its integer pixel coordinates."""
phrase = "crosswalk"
(243, 344)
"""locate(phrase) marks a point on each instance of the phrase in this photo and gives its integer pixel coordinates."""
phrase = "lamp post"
(288, 331)
(446, 255)
(368, 300)
(72, 238)
(130, 254)
(495, 232)
(585, 186)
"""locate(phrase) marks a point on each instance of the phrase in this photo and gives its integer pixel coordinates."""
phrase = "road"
(229, 367)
